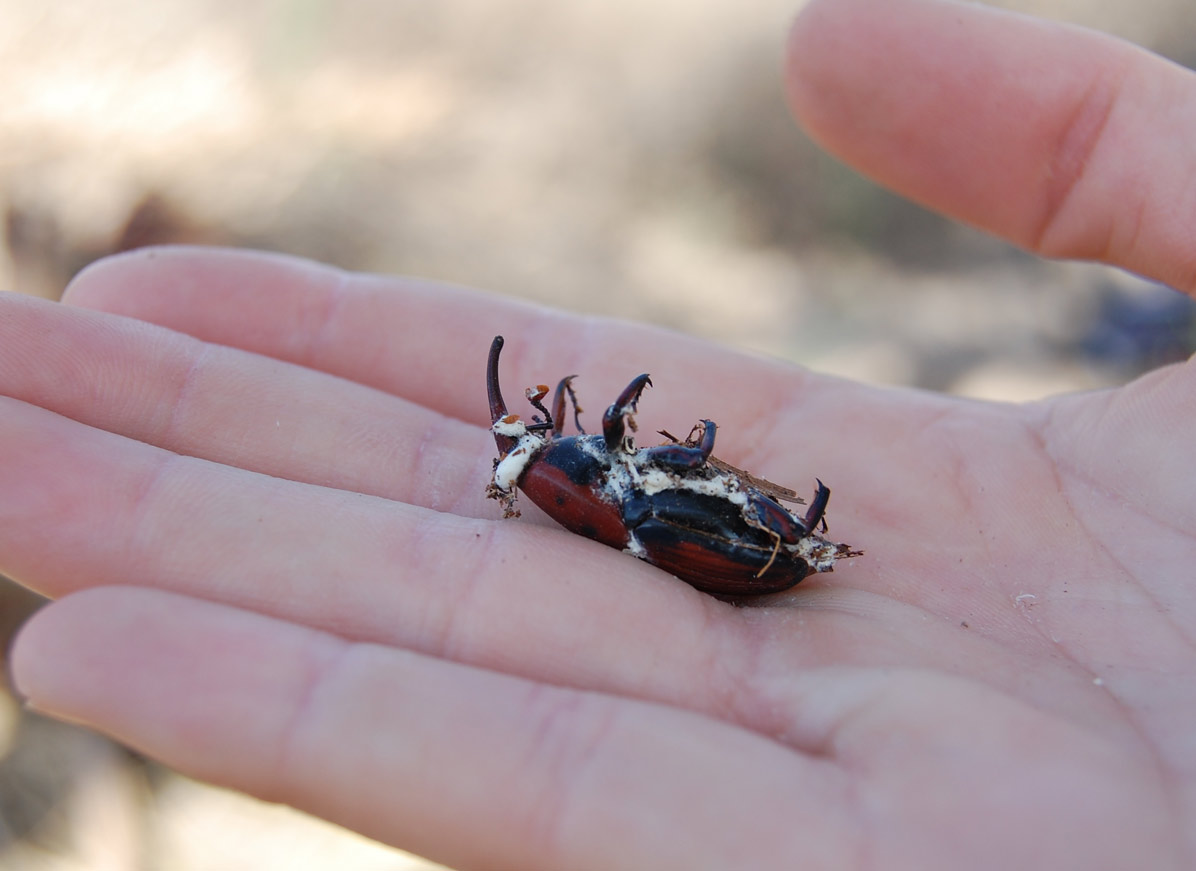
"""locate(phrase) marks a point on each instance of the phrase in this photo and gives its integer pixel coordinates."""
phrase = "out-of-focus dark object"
(44, 257)
(1141, 329)
(157, 221)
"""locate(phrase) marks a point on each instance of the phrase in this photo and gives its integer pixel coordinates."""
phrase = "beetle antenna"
(535, 395)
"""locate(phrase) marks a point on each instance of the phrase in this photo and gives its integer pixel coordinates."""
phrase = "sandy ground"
(629, 159)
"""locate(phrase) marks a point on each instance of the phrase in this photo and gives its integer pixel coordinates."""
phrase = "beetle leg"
(685, 456)
(558, 406)
(815, 513)
(783, 526)
(618, 416)
(769, 515)
(498, 408)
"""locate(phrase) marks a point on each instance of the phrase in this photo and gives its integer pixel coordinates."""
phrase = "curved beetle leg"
(685, 456)
(815, 513)
(558, 406)
(498, 408)
(768, 514)
(613, 420)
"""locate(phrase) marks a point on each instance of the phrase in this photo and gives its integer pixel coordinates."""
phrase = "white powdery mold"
(510, 426)
(819, 554)
(511, 467)
(632, 470)
(635, 548)
(654, 480)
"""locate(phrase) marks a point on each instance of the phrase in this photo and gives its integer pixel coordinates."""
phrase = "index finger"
(427, 343)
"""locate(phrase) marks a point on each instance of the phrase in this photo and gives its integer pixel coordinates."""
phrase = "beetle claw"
(619, 415)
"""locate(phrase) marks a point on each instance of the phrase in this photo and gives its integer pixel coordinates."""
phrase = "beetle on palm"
(717, 527)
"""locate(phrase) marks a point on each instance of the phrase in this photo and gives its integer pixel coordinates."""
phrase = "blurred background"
(633, 159)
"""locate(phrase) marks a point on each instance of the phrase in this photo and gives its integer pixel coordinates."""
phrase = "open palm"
(262, 481)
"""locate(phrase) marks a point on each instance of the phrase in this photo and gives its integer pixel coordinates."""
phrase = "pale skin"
(257, 486)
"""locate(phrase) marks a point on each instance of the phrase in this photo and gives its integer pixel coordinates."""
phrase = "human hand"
(281, 574)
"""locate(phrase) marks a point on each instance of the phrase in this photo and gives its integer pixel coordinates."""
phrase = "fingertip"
(42, 670)
(132, 281)
(74, 657)
(101, 278)
(834, 49)
(90, 654)
(201, 684)
(815, 45)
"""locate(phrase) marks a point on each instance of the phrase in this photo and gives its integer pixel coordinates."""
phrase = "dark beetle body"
(701, 539)
(706, 542)
(674, 505)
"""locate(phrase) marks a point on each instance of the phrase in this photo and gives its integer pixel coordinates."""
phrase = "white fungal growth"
(818, 553)
(510, 426)
(632, 470)
(634, 548)
(511, 467)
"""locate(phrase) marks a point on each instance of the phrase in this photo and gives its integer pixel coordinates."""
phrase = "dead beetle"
(716, 527)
